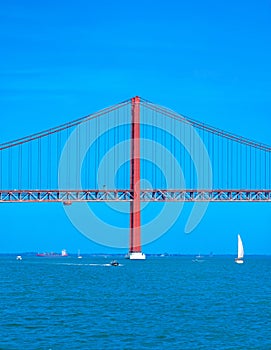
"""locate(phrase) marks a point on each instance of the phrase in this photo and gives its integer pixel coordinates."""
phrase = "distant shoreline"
(158, 255)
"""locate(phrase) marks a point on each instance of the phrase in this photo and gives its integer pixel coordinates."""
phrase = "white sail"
(240, 248)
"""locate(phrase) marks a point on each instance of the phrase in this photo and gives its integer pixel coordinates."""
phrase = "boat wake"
(78, 264)
(198, 260)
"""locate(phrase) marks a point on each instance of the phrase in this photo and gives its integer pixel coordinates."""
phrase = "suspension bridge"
(134, 151)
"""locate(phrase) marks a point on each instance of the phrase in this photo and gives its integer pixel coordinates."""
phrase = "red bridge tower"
(135, 214)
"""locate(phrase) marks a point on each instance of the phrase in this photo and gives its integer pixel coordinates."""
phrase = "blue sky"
(208, 60)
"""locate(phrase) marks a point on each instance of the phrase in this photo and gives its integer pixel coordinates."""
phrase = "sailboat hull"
(239, 261)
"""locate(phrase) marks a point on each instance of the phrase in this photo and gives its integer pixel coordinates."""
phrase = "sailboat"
(79, 256)
(240, 255)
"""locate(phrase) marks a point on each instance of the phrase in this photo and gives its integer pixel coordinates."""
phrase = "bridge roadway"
(148, 195)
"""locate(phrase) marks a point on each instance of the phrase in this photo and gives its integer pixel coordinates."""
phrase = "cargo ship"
(53, 255)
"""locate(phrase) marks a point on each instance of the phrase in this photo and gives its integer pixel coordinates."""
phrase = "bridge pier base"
(136, 256)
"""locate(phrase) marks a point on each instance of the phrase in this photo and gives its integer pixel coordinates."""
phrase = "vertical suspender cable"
(10, 168)
(156, 152)
(218, 161)
(127, 128)
(69, 152)
(125, 149)
(190, 158)
(255, 165)
(172, 154)
(201, 156)
(213, 159)
(142, 135)
(103, 147)
(115, 141)
(231, 164)
(106, 148)
(1, 168)
(114, 131)
(156, 160)
(30, 185)
(49, 161)
(150, 175)
(127, 134)
(227, 164)
(86, 162)
(160, 133)
(97, 151)
(84, 175)
(250, 167)
(20, 167)
(58, 150)
(185, 158)
(207, 138)
(259, 182)
(237, 166)
(77, 170)
(247, 167)
(261, 169)
(265, 170)
(194, 154)
(163, 141)
(241, 166)
(39, 163)
(223, 161)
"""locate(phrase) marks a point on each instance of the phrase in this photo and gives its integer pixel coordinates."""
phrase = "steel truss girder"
(155, 195)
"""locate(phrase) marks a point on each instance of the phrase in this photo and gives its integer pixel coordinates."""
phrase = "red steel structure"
(135, 222)
(241, 168)
(163, 195)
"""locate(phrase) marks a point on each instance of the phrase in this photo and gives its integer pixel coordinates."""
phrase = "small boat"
(240, 254)
(79, 256)
(114, 263)
(198, 258)
(19, 257)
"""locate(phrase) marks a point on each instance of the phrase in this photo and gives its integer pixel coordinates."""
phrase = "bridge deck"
(154, 195)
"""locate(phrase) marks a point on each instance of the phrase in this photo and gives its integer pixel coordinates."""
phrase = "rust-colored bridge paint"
(135, 215)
